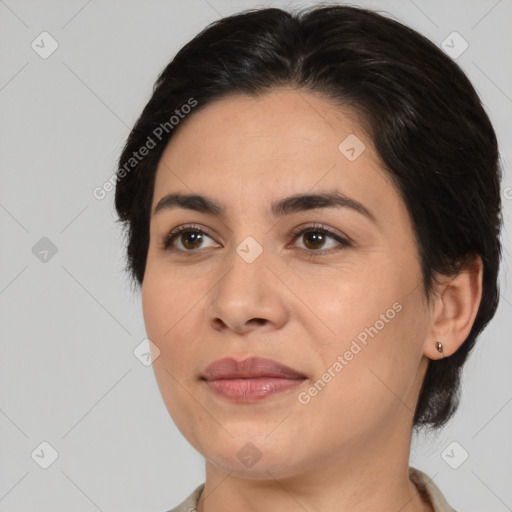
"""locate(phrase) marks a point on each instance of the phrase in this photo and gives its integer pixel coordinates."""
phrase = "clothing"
(427, 487)
(422, 481)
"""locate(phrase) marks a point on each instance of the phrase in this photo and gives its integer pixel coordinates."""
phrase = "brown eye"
(190, 238)
(315, 238)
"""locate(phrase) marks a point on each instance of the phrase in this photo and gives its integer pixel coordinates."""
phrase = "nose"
(248, 296)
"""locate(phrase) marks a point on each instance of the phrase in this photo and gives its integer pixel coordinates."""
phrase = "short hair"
(424, 117)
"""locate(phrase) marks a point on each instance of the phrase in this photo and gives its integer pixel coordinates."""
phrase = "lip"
(249, 368)
(250, 379)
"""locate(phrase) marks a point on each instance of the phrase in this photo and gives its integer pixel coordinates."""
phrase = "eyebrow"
(280, 208)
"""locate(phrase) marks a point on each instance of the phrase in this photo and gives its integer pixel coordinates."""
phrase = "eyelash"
(168, 239)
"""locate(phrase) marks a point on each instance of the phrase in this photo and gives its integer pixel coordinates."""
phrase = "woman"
(312, 204)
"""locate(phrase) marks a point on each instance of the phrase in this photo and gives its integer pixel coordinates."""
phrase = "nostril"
(258, 320)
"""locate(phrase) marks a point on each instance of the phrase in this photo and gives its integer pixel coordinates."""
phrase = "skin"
(348, 448)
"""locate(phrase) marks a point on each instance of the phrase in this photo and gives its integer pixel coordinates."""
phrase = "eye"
(315, 238)
(189, 236)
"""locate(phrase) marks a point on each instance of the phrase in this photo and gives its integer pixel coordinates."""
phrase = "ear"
(455, 308)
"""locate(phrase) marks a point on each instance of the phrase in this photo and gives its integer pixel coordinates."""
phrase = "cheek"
(164, 301)
(373, 320)
(170, 309)
(351, 299)
(366, 373)
(155, 308)
(167, 317)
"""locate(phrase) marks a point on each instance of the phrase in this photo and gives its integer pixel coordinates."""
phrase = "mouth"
(251, 379)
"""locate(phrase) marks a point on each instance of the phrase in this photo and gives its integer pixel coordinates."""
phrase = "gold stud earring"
(439, 347)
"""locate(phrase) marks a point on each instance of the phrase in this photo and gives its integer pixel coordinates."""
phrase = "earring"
(439, 347)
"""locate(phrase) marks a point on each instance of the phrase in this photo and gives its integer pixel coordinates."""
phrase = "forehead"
(284, 121)
(282, 142)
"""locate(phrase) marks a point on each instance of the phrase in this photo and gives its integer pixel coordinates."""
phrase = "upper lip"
(251, 367)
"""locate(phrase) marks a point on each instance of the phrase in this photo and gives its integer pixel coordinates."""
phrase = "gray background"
(68, 375)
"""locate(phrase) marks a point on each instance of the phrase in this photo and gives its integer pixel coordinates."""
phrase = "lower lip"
(251, 390)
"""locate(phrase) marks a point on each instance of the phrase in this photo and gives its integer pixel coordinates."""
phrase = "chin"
(262, 469)
(250, 456)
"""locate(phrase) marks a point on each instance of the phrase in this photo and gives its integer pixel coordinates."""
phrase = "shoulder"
(427, 487)
(190, 503)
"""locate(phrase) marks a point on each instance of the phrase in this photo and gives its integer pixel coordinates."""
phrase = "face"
(340, 303)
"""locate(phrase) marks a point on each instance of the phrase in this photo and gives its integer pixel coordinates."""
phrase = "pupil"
(195, 237)
(317, 236)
